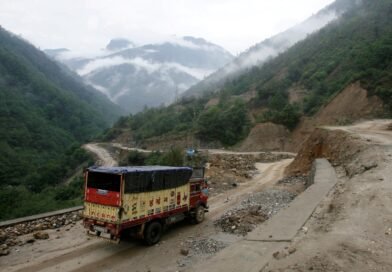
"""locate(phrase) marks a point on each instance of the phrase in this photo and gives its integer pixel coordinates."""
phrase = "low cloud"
(142, 64)
(279, 43)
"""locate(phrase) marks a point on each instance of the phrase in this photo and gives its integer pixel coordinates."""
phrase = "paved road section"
(255, 251)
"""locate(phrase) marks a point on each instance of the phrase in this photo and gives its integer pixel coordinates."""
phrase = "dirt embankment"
(267, 137)
(343, 146)
(338, 147)
(351, 230)
(350, 105)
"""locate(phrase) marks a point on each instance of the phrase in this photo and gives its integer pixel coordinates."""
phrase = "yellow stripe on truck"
(140, 205)
(100, 212)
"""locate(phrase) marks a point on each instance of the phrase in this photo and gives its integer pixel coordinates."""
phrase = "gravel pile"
(199, 248)
(254, 210)
(294, 180)
(205, 246)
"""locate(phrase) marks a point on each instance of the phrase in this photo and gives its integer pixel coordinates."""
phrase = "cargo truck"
(141, 201)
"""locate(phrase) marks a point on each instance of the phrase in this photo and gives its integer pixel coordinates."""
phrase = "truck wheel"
(199, 214)
(153, 233)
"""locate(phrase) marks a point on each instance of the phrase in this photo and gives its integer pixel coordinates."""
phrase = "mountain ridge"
(151, 74)
(261, 52)
(294, 85)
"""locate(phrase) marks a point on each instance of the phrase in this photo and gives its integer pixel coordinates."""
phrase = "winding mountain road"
(69, 249)
(104, 157)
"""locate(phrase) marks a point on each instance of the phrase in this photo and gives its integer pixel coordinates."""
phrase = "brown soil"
(339, 111)
(352, 104)
(266, 137)
(352, 228)
(338, 147)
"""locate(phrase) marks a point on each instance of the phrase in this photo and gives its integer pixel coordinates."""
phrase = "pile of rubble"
(273, 157)
(254, 210)
(238, 165)
(205, 246)
(199, 248)
(295, 179)
(9, 235)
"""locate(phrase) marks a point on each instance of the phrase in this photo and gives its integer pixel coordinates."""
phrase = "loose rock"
(41, 235)
(253, 211)
(184, 251)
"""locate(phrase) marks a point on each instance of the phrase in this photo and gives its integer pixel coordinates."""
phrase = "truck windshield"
(104, 181)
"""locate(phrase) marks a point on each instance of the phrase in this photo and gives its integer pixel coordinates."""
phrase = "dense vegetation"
(45, 114)
(226, 122)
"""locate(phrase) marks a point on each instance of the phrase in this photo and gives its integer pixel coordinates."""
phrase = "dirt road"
(70, 250)
(352, 229)
(375, 131)
(104, 158)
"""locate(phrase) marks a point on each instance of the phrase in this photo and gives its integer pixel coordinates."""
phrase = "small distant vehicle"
(141, 201)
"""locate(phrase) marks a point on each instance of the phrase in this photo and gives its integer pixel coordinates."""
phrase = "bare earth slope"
(352, 229)
(351, 104)
(339, 111)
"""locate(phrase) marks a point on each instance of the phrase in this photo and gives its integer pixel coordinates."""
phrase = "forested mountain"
(355, 47)
(147, 75)
(46, 113)
(261, 52)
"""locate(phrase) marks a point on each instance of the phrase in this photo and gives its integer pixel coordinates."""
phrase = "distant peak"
(194, 40)
(118, 44)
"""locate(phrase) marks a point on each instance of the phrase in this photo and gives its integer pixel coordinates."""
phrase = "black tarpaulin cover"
(148, 178)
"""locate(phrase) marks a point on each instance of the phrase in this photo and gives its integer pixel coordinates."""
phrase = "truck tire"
(153, 233)
(199, 214)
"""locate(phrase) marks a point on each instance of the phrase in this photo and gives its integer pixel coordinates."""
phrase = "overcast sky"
(85, 25)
